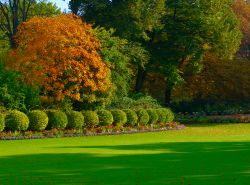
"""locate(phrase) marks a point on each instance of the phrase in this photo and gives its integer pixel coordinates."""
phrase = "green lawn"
(198, 155)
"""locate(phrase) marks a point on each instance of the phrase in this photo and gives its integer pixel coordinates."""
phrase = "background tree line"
(158, 48)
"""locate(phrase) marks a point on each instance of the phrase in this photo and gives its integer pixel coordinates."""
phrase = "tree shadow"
(183, 163)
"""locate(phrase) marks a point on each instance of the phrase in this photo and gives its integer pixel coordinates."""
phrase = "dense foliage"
(119, 117)
(143, 117)
(132, 118)
(57, 119)
(38, 120)
(15, 94)
(91, 119)
(75, 120)
(153, 116)
(124, 55)
(65, 61)
(105, 117)
(2, 122)
(16, 121)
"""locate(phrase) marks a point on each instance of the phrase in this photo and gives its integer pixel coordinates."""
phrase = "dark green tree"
(138, 21)
(194, 28)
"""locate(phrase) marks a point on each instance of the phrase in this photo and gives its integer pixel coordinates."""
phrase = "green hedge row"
(38, 120)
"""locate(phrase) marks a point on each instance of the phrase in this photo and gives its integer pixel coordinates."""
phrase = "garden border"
(178, 127)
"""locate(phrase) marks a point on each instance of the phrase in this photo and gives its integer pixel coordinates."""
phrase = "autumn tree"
(60, 55)
(242, 10)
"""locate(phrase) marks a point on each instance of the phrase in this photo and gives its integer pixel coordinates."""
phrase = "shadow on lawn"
(186, 163)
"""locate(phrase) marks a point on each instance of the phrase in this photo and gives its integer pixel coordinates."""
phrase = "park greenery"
(116, 61)
(110, 68)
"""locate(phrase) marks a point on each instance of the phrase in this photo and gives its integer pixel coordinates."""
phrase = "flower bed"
(55, 133)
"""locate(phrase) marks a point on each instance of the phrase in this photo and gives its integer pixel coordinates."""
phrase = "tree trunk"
(168, 93)
(139, 79)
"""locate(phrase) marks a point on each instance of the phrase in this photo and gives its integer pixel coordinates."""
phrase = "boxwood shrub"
(132, 118)
(75, 120)
(57, 119)
(119, 116)
(161, 115)
(38, 120)
(105, 117)
(2, 122)
(90, 119)
(169, 115)
(143, 117)
(16, 121)
(153, 116)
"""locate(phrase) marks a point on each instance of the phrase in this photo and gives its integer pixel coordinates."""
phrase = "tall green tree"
(135, 20)
(195, 28)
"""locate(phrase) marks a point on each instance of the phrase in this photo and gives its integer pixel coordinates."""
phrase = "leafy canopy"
(60, 55)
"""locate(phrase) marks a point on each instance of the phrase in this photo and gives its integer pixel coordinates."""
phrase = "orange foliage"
(60, 55)
(242, 10)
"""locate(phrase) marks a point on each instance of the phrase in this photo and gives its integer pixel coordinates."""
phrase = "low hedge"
(143, 117)
(132, 118)
(75, 120)
(91, 119)
(105, 117)
(57, 119)
(119, 116)
(16, 121)
(2, 122)
(38, 120)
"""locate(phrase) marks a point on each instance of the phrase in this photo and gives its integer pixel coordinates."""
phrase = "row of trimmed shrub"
(38, 120)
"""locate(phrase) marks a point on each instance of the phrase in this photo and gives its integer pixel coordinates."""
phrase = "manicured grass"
(198, 155)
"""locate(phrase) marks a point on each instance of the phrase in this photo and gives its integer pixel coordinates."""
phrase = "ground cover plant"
(201, 154)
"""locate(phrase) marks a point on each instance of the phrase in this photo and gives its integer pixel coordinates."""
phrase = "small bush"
(90, 118)
(2, 122)
(57, 119)
(143, 117)
(75, 120)
(161, 115)
(38, 120)
(153, 116)
(119, 116)
(105, 117)
(165, 115)
(132, 117)
(17, 121)
(169, 115)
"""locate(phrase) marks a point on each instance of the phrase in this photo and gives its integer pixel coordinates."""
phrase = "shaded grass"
(198, 155)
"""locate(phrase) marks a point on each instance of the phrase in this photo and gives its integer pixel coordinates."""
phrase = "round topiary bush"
(153, 116)
(119, 116)
(143, 117)
(105, 117)
(90, 119)
(2, 122)
(132, 118)
(57, 119)
(169, 115)
(75, 120)
(161, 115)
(38, 120)
(16, 121)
